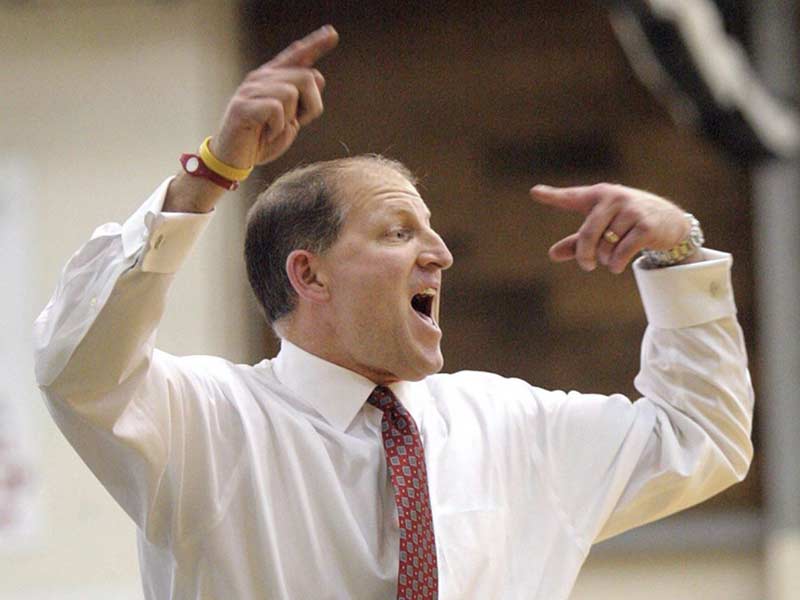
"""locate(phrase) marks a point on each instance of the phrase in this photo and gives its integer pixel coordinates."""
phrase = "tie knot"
(383, 398)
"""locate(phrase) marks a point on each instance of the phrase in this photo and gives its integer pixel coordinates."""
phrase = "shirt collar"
(336, 393)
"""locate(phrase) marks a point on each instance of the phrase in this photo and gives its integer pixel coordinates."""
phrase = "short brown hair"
(299, 210)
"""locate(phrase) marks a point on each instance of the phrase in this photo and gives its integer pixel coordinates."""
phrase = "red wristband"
(195, 167)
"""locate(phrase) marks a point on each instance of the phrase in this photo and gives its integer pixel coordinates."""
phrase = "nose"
(435, 253)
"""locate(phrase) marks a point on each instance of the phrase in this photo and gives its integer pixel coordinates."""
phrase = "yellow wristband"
(219, 167)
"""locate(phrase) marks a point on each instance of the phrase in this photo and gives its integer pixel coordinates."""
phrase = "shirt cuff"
(165, 239)
(687, 295)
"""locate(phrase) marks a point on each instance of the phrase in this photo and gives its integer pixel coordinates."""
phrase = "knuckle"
(586, 233)
(290, 92)
(590, 226)
(604, 189)
(308, 78)
(618, 199)
(238, 105)
(281, 92)
(262, 72)
(247, 89)
(274, 106)
(645, 228)
(269, 72)
(311, 113)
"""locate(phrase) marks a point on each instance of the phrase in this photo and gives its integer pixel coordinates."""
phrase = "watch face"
(192, 164)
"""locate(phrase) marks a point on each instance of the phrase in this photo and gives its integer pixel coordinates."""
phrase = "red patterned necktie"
(417, 577)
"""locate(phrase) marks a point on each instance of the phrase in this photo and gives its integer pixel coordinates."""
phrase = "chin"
(425, 368)
(437, 366)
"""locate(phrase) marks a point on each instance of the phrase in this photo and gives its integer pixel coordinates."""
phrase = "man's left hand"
(619, 222)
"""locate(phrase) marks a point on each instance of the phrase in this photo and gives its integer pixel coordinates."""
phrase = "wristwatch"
(194, 165)
(686, 248)
(205, 164)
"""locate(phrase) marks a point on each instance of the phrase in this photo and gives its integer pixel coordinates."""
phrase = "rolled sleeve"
(687, 295)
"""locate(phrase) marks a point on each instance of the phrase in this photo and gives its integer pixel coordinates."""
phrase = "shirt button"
(93, 301)
(159, 241)
(715, 288)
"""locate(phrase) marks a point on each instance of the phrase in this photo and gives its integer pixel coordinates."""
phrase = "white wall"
(101, 98)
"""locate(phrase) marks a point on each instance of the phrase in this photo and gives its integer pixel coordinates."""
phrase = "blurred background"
(690, 100)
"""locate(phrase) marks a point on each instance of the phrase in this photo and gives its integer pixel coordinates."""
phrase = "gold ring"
(610, 236)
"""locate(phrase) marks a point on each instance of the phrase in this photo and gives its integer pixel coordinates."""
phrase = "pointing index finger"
(308, 50)
(577, 199)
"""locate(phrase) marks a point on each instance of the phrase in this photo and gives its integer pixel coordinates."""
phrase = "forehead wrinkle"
(397, 206)
(378, 193)
(378, 204)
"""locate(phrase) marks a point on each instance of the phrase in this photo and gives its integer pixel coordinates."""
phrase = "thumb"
(564, 250)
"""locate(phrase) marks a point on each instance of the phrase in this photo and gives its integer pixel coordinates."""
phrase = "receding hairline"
(335, 173)
(348, 177)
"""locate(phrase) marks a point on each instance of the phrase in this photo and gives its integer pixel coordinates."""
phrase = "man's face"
(385, 273)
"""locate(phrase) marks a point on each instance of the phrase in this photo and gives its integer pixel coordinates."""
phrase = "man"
(345, 467)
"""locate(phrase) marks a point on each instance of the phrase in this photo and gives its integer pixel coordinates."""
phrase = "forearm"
(189, 194)
(617, 464)
(694, 375)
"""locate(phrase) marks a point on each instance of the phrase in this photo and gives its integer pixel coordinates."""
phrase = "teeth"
(428, 292)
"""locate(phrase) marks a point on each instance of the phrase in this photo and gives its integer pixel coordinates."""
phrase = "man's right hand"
(263, 117)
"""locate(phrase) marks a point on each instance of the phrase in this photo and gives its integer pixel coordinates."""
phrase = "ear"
(302, 267)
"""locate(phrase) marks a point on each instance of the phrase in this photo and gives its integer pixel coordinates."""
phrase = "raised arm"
(128, 409)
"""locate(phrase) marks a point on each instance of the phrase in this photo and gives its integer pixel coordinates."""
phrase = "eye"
(401, 233)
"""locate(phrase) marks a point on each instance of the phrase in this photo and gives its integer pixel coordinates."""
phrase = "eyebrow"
(397, 208)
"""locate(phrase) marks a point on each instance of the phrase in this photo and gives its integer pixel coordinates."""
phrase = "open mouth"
(423, 304)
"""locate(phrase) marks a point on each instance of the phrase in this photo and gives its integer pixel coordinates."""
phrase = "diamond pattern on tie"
(417, 573)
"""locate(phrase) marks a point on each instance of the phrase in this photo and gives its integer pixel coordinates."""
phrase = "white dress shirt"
(269, 481)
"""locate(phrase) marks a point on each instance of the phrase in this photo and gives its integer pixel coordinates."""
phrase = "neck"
(321, 341)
